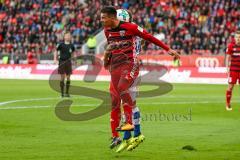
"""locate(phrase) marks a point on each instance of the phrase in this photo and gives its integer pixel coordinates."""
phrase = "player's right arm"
(108, 53)
(55, 56)
(106, 59)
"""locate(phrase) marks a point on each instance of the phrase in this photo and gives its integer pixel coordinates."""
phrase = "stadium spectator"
(189, 24)
(91, 44)
(31, 59)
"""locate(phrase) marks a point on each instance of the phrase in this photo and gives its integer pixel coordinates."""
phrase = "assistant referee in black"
(63, 54)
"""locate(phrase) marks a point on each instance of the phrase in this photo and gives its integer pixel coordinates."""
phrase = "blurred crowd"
(36, 26)
(191, 26)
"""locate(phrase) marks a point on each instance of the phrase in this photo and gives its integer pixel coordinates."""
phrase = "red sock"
(228, 97)
(127, 106)
(128, 113)
(123, 87)
(115, 120)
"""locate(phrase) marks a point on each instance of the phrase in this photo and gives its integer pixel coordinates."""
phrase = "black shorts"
(65, 67)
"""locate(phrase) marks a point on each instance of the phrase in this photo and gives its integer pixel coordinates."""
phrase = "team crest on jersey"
(122, 33)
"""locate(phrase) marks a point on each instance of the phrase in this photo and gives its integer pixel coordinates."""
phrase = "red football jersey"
(128, 32)
(234, 50)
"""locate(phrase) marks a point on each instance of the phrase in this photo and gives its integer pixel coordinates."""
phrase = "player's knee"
(68, 77)
(230, 87)
(115, 104)
(62, 77)
(121, 89)
(115, 111)
(126, 98)
(115, 101)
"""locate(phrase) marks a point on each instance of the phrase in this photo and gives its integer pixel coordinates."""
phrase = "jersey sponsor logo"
(207, 62)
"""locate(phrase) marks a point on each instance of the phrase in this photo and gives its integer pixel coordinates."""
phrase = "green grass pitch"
(191, 114)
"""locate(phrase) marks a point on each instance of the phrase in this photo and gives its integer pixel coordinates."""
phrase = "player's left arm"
(228, 57)
(74, 51)
(228, 62)
(147, 36)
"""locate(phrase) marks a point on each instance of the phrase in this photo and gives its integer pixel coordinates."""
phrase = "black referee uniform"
(64, 56)
(65, 52)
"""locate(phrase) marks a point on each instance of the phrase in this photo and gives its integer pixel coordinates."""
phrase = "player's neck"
(66, 42)
(116, 23)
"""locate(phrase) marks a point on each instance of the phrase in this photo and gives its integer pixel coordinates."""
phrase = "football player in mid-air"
(121, 60)
(233, 67)
(126, 16)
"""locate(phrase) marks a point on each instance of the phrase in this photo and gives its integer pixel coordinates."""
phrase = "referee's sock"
(62, 87)
(67, 86)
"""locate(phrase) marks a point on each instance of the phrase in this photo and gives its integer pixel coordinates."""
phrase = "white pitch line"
(35, 99)
(25, 100)
(23, 107)
(77, 97)
(91, 105)
(184, 96)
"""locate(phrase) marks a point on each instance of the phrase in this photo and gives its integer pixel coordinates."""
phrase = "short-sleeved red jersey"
(234, 50)
(128, 32)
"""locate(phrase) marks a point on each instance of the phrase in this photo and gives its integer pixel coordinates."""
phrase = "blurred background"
(200, 29)
(194, 27)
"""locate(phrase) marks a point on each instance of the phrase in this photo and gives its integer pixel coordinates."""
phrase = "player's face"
(237, 39)
(106, 20)
(67, 37)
